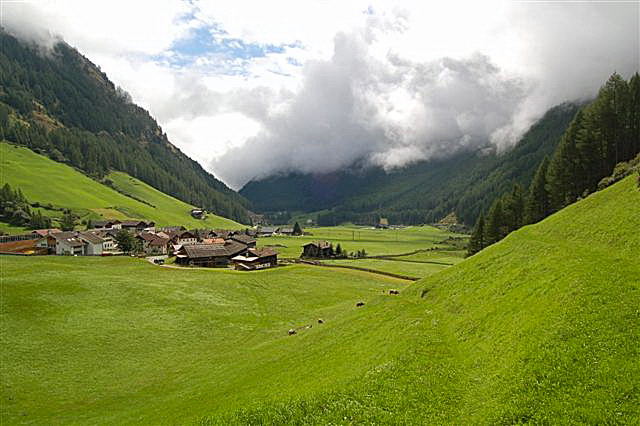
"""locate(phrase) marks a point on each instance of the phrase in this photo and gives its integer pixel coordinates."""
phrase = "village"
(192, 248)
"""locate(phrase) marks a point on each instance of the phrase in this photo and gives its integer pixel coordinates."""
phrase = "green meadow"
(45, 181)
(542, 327)
(353, 238)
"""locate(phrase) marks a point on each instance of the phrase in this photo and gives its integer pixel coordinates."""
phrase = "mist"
(376, 100)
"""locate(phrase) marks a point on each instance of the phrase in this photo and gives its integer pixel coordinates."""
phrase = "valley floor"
(542, 327)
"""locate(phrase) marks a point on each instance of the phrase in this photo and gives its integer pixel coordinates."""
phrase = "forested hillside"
(466, 183)
(600, 147)
(60, 104)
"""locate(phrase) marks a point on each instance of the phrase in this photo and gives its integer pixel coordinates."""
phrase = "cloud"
(392, 112)
(256, 88)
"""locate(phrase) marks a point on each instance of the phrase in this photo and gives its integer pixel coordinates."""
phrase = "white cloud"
(379, 81)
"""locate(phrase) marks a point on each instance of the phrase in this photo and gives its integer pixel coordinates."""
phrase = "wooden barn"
(210, 255)
(256, 259)
(317, 249)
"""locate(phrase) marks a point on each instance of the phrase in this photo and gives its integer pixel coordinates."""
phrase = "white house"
(92, 243)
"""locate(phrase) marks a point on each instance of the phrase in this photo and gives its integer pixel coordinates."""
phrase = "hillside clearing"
(45, 181)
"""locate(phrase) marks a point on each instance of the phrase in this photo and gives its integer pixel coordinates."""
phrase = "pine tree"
(537, 204)
(633, 119)
(68, 221)
(513, 209)
(476, 242)
(495, 224)
(297, 230)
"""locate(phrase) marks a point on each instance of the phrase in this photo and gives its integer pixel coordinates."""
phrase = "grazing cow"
(394, 292)
(359, 304)
(320, 321)
(292, 332)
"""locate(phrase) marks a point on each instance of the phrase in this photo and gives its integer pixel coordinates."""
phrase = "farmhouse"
(45, 232)
(92, 243)
(137, 225)
(317, 249)
(256, 259)
(209, 255)
(107, 224)
(183, 238)
(266, 231)
(77, 243)
(244, 239)
(285, 231)
(152, 243)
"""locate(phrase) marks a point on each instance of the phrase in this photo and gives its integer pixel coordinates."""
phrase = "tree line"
(600, 146)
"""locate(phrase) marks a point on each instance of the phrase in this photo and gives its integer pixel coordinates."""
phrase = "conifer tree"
(476, 242)
(537, 204)
(494, 224)
(68, 221)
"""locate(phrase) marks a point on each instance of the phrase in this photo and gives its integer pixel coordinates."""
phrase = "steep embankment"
(544, 326)
(45, 181)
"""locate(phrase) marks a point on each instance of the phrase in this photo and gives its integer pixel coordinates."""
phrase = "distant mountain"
(60, 104)
(465, 183)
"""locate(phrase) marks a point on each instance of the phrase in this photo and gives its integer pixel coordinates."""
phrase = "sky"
(251, 88)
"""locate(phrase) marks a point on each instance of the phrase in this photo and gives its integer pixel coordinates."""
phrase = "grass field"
(411, 269)
(46, 181)
(542, 327)
(353, 238)
(118, 340)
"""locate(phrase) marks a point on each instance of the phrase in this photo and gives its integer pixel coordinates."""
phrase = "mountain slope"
(541, 327)
(465, 183)
(59, 103)
(45, 181)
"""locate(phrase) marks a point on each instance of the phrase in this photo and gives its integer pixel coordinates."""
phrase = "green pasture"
(48, 182)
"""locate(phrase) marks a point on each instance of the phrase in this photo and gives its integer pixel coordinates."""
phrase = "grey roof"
(90, 238)
(267, 229)
(228, 249)
(243, 238)
(319, 244)
(65, 235)
(263, 252)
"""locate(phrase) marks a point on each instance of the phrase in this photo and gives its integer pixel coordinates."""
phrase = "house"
(109, 243)
(244, 239)
(77, 243)
(266, 231)
(152, 243)
(137, 225)
(184, 238)
(256, 259)
(68, 244)
(285, 231)
(197, 213)
(317, 249)
(209, 255)
(45, 232)
(383, 224)
(107, 224)
(92, 243)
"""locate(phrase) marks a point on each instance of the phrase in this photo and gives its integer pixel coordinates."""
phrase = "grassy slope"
(543, 327)
(46, 181)
(96, 340)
